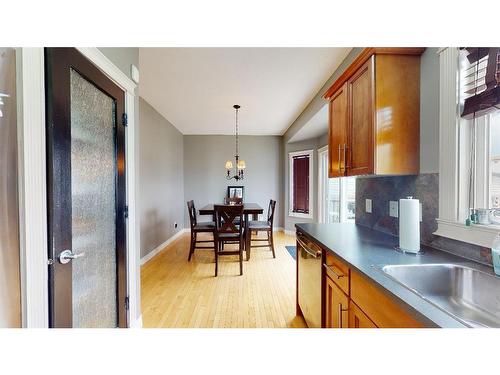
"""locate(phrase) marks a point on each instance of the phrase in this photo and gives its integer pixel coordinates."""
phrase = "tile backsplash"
(424, 187)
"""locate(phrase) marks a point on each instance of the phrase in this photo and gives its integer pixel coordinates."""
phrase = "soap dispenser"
(495, 254)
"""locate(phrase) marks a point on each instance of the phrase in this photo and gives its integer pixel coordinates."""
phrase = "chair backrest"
(192, 213)
(270, 212)
(229, 200)
(225, 217)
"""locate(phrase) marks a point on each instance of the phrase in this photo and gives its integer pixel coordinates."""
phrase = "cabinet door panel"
(336, 306)
(361, 121)
(358, 319)
(397, 107)
(380, 307)
(337, 133)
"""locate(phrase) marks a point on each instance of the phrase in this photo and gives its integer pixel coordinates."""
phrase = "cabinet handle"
(337, 274)
(308, 250)
(340, 161)
(341, 310)
(345, 157)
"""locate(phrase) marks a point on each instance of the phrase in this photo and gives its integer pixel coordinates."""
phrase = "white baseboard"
(137, 323)
(161, 247)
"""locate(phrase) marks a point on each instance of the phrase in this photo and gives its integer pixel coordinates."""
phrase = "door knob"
(67, 256)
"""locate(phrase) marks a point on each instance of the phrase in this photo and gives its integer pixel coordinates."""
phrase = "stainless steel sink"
(469, 295)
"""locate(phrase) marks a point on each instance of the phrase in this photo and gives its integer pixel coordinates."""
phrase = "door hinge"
(124, 119)
(127, 303)
(125, 212)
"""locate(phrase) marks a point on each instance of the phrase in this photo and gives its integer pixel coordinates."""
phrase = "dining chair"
(228, 232)
(234, 200)
(264, 226)
(196, 227)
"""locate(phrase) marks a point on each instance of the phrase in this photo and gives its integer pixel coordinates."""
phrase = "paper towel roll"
(409, 225)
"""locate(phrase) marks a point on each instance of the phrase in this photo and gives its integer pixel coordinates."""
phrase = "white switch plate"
(134, 72)
(393, 209)
(368, 205)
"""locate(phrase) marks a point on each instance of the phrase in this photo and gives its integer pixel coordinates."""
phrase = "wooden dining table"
(248, 209)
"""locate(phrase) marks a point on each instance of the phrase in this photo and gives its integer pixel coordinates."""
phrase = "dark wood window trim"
(301, 169)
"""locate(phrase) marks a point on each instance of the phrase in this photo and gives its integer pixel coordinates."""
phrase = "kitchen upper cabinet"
(360, 121)
(336, 306)
(374, 122)
(338, 139)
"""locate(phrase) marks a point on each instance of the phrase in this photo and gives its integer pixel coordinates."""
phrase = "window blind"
(301, 184)
(479, 80)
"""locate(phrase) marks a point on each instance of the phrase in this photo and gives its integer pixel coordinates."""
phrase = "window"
(336, 196)
(479, 131)
(494, 161)
(301, 184)
(469, 148)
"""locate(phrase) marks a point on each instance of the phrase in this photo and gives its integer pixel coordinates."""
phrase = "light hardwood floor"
(178, 293)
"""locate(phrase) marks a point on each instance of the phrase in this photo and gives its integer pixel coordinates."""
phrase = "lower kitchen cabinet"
(352, 301)
(378, 305)
(358, 319)
(336, 309)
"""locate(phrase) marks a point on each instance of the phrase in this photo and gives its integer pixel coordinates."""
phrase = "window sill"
(481, 235)
(300, 215)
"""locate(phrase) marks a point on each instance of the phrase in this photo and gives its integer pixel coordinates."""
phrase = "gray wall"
(161, 178)
(204, 172)
(308, 144)
(429, 111)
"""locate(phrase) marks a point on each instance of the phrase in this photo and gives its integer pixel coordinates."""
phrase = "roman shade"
(480, 81)
(301, 184)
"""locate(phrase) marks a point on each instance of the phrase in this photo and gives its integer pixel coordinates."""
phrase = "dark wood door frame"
(58, 64)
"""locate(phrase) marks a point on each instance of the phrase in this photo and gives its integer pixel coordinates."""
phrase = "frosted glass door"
(86, 194)
(10, 291)
(93, 221)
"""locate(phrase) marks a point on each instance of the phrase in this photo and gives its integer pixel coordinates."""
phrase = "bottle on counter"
(495, 254)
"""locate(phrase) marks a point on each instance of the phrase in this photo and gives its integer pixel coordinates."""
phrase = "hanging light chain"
(238, 172)
(237, 133)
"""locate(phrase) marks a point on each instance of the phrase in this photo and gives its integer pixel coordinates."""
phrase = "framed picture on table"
(235, 191)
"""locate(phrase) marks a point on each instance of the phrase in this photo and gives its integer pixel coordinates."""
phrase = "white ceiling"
(195, 88)
(316, 126)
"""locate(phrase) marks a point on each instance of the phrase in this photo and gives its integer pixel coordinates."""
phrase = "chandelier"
(240, 164)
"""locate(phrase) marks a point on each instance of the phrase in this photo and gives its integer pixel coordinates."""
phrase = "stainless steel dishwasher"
(309, 284)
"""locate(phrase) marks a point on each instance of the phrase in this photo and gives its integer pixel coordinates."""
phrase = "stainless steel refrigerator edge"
(10, 294)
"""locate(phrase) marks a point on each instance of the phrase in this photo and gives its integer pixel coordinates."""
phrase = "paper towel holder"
(400, 250)
(409, 244)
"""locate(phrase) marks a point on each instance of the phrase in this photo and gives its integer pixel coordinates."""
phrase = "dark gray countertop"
(364, 249)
